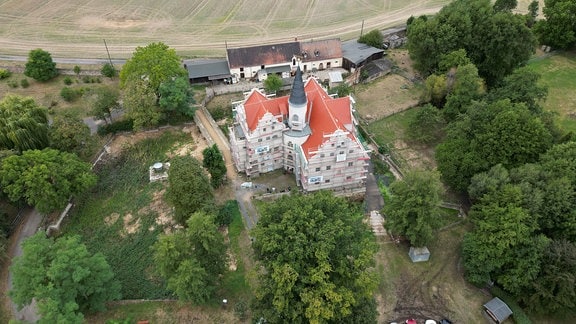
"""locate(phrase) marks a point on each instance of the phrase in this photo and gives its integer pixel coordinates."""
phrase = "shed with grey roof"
(498, 310)
(206, 70)
(357, 54)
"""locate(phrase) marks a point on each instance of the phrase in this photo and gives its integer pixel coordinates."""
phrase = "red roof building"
(309, 133)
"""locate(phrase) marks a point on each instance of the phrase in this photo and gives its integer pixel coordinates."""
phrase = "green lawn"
(559, 75)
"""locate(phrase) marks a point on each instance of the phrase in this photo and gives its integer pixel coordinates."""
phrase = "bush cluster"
(71, 94)
(4, 74)
(125, 125)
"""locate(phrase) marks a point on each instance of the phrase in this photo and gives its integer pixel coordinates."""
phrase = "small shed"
(498, 310)
(335, 78)
(419, 254)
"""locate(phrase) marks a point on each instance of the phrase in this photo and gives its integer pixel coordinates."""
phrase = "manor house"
(308, 133)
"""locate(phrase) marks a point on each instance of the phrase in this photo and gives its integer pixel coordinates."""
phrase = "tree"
(104, 101)
(189, 189)
(427, 125)
(273, 83)
(176, 96)
(554, 290)
(316, 256)
(521, 87)
(503, 245)
(373, 38)
(69, 133)
(533, 8)
(453, 59)
(215, 164)
(140, 105)
(63, 277)
(108, 70)
(40, 66)
(435, 90)
(192, 259)
(414, 209)
(464, 86)
(496, 42)
(23, 124)
(505, 5)
(559, 28)
(45, 179)
(155, 63)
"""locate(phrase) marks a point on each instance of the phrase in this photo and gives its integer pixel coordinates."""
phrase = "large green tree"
(40, 65)
(64, 278)
(192, 259)
(559, 28)
(317, 258)
(45, 179)
(496, 42)
(155, 63)
(23, 124)
(189, 189)
(489, 134)
(69, 133)
(215, 164)
(504, 245)
(413, 210)
(427, 125)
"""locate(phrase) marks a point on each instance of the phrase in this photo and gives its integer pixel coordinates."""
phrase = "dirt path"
(29, 226)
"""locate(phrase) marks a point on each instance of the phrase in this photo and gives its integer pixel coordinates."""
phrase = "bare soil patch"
(111, 219)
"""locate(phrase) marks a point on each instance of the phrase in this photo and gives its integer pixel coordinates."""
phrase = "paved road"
(29, 226)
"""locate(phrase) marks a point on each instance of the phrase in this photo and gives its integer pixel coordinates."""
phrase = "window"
(264, 129)
(262, 164)
(274, 136)
(349, 178)
(341, 152)
(322, 155)
(332, 154)
(272, 127)
(241, 69)
(290, 157)
(295, 118)
(327, 181)
(350, 164)
(328, 167)
(317, 169)
(290, 144)
(259, 140)
(351, 151)
(267, 138)
(262, 66)
(276, 149)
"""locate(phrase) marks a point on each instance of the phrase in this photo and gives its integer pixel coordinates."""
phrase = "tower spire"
(297, 95)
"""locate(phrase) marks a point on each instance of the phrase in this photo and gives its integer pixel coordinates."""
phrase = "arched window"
(295, 118)
(290, 144)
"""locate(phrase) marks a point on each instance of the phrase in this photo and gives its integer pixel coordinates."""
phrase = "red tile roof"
(321, 49)
(257, 105)
(325, 114)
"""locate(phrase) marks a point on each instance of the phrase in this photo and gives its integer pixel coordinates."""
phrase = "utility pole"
(362, 28)
(107, 51)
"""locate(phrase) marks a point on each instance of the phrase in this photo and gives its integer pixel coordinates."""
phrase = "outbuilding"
(497, 310)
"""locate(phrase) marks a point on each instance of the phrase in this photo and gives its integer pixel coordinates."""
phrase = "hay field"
(193, 27)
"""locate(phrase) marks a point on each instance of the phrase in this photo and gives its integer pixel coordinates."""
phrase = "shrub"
(70, 94)
(12, 83)
(125, 125)
(224, 216)
(67, 80)
(4, 74)
(108, 70)
(24, 83)
(86, 79)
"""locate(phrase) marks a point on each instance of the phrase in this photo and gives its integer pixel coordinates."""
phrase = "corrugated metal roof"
(357, 52)
(497, 308)
(207, 68)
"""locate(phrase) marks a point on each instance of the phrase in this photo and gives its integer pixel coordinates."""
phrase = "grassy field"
(192, 27)
(47, 94)
(559, 75)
